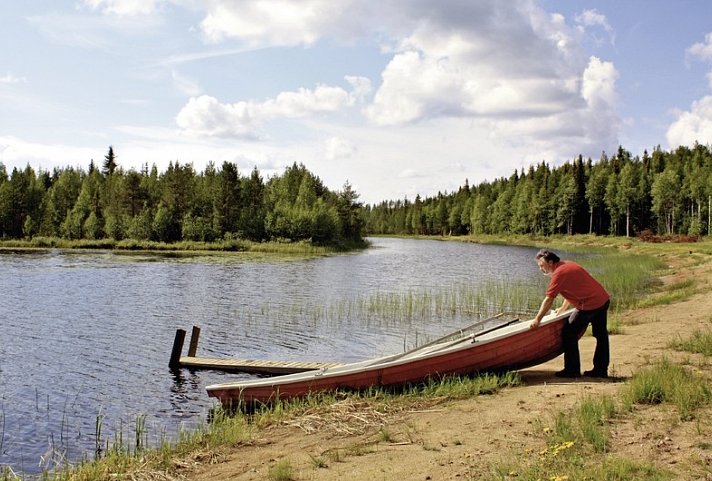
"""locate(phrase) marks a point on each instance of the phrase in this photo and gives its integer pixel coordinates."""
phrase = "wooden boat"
(508, 346)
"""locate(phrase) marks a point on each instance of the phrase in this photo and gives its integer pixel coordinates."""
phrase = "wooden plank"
(253, 366)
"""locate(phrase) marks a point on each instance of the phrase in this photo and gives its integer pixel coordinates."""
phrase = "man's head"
(546, 260)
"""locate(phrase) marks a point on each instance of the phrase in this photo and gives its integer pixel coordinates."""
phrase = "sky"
(396, 97)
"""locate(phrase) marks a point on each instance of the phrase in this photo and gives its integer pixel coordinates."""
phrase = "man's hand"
(535, 323)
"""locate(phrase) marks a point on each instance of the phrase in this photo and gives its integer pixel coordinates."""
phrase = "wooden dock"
(252, 366)
(191, 361)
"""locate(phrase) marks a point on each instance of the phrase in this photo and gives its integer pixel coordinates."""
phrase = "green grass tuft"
(666, 382)
(700, 342)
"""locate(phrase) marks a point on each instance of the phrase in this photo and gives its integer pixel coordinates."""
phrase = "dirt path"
(460, 439)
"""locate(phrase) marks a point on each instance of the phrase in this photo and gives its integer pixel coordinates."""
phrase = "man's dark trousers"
(578, 322)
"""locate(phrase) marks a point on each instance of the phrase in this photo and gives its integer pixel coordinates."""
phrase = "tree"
(251, 221)
(109, 165)
(566, 202)
(628, 194)
(226, 199)
(595, 193)
(665, 195)
(349, 213)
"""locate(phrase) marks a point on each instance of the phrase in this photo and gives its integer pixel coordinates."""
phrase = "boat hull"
(510, 348)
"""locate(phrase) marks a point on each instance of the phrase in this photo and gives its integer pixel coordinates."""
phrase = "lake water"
(88, 335)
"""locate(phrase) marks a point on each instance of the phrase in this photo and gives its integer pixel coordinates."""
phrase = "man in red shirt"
(590, 300)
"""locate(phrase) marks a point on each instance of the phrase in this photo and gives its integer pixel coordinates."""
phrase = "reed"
(7, 474)
(626, 276)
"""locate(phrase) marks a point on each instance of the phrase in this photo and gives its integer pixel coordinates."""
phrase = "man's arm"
(565, 306)
(545, 307)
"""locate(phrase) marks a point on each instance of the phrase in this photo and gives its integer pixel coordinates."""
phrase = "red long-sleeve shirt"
(577, 286)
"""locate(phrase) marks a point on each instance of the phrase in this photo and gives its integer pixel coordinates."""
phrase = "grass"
(282, 471)
(318, 461)
(670, 294)
(457, 387)
(306, 248)
(578, 445)
(121, 461)
(700, 342)
(666, 382)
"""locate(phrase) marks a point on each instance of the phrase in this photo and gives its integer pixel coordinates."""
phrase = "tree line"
(179, 204)
(665, 193)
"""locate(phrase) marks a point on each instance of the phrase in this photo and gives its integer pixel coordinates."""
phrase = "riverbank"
(476, 438)
(184, 247)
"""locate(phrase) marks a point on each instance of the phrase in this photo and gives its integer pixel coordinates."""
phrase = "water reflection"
(88, 335)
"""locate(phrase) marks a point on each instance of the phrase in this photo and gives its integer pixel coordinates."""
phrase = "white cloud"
(92, 31)
(185, 85)
(702, 50)
(524, 79)
(336, 148)
(594, 18)
(693, 126)
(508, 74)
(124, 7)
(268, 22)
(206, 116)
(11, 79)
(181, 58)
(599, 84)
(361, 87)
(17, 153)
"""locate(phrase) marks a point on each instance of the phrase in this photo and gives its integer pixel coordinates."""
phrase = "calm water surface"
(87, 335)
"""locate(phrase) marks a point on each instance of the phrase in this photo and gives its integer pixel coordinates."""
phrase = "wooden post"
(194, 336)
(177, 349)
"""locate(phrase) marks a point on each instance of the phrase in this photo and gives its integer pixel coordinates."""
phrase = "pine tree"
(109, 162)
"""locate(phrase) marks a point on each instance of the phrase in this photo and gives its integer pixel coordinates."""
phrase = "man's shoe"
(594, 373)
(567, 374)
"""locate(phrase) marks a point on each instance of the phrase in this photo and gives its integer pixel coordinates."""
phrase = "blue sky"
(396, 97)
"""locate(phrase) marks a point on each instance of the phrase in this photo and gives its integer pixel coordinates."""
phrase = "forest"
(176, 205)
(661, 194)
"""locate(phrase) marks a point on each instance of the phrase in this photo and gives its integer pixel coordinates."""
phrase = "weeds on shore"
(666, 382)
(700, 342)
(228, 245)
(226, 429)
(282, 471)
(578, 444)
(670, 294)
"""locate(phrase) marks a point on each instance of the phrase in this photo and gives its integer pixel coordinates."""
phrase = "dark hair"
(547, 255)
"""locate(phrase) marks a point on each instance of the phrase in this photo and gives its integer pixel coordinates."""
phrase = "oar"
(473, 337)
(459, 331)
(438, 340)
